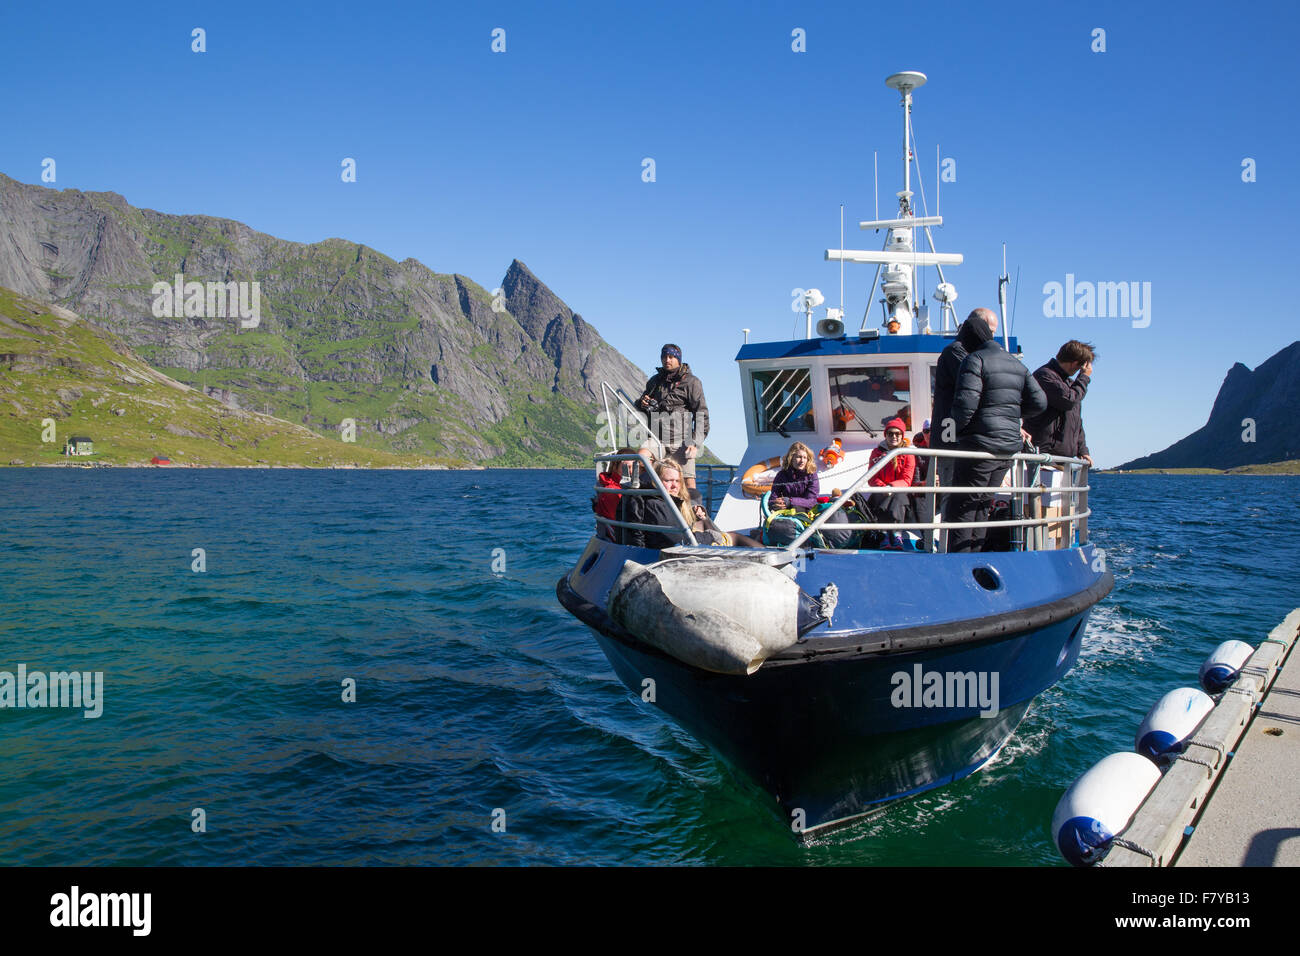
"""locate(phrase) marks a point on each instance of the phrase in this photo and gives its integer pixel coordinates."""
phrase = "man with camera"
(679, 418)
(1059, 430)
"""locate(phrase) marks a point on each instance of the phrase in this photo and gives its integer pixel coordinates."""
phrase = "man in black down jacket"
(980, 326)
(1059, 430)
(994, 392)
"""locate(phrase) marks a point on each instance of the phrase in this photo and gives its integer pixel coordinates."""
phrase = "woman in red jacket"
(897, 474)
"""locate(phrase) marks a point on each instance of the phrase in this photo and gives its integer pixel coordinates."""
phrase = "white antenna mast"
(1002, 298)
(875, 179)
(841, 260)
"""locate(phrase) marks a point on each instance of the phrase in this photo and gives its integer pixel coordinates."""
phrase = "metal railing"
(606, 392)
(658, 489)
(1026, 496)
(643, 426)
(707, 482)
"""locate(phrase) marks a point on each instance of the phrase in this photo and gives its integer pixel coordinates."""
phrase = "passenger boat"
(842, 679)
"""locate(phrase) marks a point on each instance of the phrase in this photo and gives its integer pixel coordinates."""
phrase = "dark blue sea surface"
(478, 699)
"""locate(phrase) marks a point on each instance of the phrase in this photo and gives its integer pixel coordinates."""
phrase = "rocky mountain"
(1253, 420)
(316, 333)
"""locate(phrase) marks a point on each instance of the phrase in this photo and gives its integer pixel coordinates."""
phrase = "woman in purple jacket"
(795, 485)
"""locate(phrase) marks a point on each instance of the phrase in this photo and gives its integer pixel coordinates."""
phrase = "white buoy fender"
(1221, 667)
(1171, 721)
(1099, 805)
(717, 614)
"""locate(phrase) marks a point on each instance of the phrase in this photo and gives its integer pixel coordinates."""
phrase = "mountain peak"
(1252, 421)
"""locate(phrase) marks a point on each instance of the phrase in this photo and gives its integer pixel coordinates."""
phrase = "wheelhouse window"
(783, 400)
(863, 399)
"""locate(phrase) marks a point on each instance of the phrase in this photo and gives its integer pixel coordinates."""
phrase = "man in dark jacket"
(980, 326)
(679, 418)
(1059, 430)
(994, 392)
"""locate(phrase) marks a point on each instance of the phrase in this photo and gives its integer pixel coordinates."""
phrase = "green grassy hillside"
(58, 369)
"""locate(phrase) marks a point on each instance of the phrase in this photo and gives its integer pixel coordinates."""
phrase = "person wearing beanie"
(980, 326)
(897, 474)
(995, 392)
(673, 399)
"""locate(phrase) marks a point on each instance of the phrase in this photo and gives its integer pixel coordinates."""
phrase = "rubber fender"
(1170, 722)
(1100, 804)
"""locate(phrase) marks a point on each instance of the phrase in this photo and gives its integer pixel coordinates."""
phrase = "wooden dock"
(1237, 787)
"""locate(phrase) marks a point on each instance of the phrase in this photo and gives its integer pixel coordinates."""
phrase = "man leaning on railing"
(994, 392)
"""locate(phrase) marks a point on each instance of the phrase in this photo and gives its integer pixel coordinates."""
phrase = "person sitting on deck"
(629, 506)
(654, 510)
(921, 440)
(607, 504)
(897, 474)
(918, 505)
(795, 485)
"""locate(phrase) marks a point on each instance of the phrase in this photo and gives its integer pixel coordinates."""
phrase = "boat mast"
(899, 257)
(1002, 299)
(905, 86)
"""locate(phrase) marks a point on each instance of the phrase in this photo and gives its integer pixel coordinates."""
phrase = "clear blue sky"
(1115, 166)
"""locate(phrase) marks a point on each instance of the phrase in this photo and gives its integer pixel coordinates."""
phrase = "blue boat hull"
(859, 716)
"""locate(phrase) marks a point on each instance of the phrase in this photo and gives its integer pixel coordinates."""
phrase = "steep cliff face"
(422, 361)
(1253, 420)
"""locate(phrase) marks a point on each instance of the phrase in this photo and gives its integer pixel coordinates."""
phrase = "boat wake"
(1115, 634)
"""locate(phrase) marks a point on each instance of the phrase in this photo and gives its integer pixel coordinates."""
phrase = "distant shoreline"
(1291, 467)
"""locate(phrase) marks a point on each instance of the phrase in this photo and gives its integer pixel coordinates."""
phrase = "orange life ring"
(749, 483)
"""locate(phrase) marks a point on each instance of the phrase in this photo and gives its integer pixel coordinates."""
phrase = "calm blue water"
(475, 691)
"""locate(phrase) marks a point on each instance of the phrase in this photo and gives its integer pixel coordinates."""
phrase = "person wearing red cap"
(897, 474)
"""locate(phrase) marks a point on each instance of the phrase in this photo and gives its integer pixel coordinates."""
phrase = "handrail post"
(940, 532)
(1083, 522)
(1069, 505)
(643, 422)
(609, 421)
(1014, 508)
